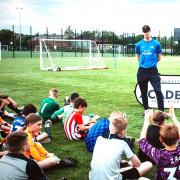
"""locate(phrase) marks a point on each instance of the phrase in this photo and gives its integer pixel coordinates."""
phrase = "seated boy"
(108, 154)
(64, 111)
(153, 134)
(19, 122)
(100, 128)
(49, 105)
(44, 158)
(74, 127)
(15, 165)
(167, 160)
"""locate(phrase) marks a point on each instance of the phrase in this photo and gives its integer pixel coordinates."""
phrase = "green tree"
(6, 36)
(69, 34)
(88, 35)
(138, 38)
(25, 39)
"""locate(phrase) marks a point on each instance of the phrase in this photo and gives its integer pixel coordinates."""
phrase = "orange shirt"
(37, 151)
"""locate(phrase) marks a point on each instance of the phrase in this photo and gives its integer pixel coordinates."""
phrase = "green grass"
(105, 91)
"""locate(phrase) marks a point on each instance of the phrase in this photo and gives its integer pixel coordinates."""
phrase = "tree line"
(12, 39)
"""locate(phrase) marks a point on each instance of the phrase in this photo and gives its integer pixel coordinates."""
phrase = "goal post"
(66, 54)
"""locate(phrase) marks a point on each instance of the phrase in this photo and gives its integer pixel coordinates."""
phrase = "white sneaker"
(9, 114)
(57, 159)
(45, 141)
(48, 123)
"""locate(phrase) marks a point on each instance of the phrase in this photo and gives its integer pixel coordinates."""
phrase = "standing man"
(149, 52)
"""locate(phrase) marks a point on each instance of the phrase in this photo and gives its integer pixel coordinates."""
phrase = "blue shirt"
(100, 128)
(148, 52)
(18, 122)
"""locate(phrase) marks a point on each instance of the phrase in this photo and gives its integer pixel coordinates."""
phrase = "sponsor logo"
(170, 86)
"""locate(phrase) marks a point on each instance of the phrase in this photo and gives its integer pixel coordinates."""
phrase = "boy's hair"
(169, 134)
(74, 96)
(118, 122)
(28, 109)
(15, 140)
(32, 119)
(158, 117)
(53, 92)
(80, 102)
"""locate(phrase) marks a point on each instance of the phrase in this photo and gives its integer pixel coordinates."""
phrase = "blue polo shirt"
(100, 128)
(148, 52)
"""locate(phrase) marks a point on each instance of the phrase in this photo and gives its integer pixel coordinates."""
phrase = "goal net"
(4, 47)
(65, 54)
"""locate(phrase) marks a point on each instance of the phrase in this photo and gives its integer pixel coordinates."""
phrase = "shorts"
(130, 174)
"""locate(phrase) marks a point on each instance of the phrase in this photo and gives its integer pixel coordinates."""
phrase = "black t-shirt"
(153, 138)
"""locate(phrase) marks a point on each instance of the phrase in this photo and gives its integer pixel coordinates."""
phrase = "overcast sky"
(111, 15)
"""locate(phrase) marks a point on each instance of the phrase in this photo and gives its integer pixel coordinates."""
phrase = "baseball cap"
(146, 28)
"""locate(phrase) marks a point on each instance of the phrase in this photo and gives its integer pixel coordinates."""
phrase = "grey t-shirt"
(107, 157)
(18, 167)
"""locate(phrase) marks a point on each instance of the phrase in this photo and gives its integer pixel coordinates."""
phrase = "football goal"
(65, 54)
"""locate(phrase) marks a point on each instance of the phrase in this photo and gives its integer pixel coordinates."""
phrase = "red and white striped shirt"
(71, 128)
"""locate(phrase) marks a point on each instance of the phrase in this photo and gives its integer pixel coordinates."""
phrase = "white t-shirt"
(107, 155)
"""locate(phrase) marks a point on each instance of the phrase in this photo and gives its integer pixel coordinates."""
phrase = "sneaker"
(10, 115)
(48, 123)
(68, 162)
(45, 141)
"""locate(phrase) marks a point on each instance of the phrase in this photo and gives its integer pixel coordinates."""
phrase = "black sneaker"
(68, 162)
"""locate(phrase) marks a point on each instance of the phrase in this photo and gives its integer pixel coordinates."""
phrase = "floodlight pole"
(19, 9)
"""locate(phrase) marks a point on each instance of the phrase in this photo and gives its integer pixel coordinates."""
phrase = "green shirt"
(47, 108)
(64, 110)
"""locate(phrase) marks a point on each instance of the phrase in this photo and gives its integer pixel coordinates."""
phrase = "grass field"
(105, 91)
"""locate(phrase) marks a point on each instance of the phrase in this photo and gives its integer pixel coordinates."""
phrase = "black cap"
(146, 28)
